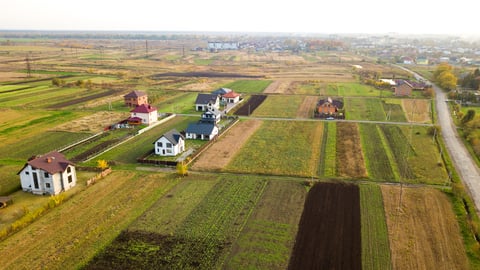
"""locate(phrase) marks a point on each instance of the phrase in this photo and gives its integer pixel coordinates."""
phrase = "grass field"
(279, 106)
(364, 109)
(203, 238)
(376, 158)
(393, 110)
(267, 238)
(56, 241)
(328, 166)
(297, 156)
(375, 245)
(128, 152)
(248, 86)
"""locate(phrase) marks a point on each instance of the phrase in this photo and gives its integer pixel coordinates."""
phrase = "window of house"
(169, 145)
(47, 185)
(46, 174)
(169, 151)
(27, 173)
(159, 144)
(69, 169)
(70, 179)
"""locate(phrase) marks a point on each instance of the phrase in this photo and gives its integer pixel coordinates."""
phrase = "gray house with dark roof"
(201, 130)
(207, 101)
(171, 143)
(50, 174)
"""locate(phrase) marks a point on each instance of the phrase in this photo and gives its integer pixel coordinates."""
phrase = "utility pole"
(146, 48)
(29, 67)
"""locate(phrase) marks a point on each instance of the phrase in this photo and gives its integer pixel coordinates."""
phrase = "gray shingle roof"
(172, 136)
(200, 128)
(206, 98)
(222, 91)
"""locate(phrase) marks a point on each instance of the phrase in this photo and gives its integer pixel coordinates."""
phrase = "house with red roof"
(231, 97)
(143, 114)
(50, 174)
(135, 98)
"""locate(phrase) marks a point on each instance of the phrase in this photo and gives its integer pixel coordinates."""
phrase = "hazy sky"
(331, 16)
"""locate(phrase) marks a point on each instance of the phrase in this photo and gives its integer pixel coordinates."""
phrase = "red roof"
(53, 163)
(135, 94)
(231, 95)
(144, 108)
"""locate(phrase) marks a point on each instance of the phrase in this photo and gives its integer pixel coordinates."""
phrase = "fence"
(99, 176)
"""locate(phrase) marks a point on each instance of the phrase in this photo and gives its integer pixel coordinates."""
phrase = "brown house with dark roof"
(403, 88)
(136, 98)
(51, 173)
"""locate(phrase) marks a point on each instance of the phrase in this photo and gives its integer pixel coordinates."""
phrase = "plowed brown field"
(423, 233)
(329, 232)
(350, 161)
(227, 146)
(306, 108)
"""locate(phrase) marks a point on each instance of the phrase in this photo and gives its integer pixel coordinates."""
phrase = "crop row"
(401, 149)
(377, 161)
(375, 245)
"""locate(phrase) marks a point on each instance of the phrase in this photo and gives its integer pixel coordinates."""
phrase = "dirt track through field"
(417, 110)
(424, 233)
(221, 152)
(306, 108)
(329, 231)
(278, 87)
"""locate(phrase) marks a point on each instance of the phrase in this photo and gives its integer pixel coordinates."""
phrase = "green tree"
(182, 169)
(468, 117)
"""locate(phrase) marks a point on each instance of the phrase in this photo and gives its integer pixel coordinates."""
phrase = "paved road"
(466, 167)
(464, 164)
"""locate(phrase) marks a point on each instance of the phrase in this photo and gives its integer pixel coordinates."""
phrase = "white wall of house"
(147, 118)
(231, 100)
(203, 136)
(164, 147)
(40, 182)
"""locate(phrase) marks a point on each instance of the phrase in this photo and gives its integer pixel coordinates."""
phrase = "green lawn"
(248, 86)
(279, 106)
(364, 109)
(281, 148)
(128, 152)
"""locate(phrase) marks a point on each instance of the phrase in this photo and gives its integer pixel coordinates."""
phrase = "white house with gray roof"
(205, 102)
(171, 143)
(201, 130)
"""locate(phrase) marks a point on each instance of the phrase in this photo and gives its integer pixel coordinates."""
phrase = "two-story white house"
(143, 114)
(50, 174)
(205, 102)
(171, 143)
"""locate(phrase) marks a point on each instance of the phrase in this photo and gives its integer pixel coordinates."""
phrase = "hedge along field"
(57, 241)
(281, 148)
(202, 240)
(248, 86)
(364, 109)
(375, 245)
(376, 158)
(279, 106)
(349, 161)
(268, 237)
